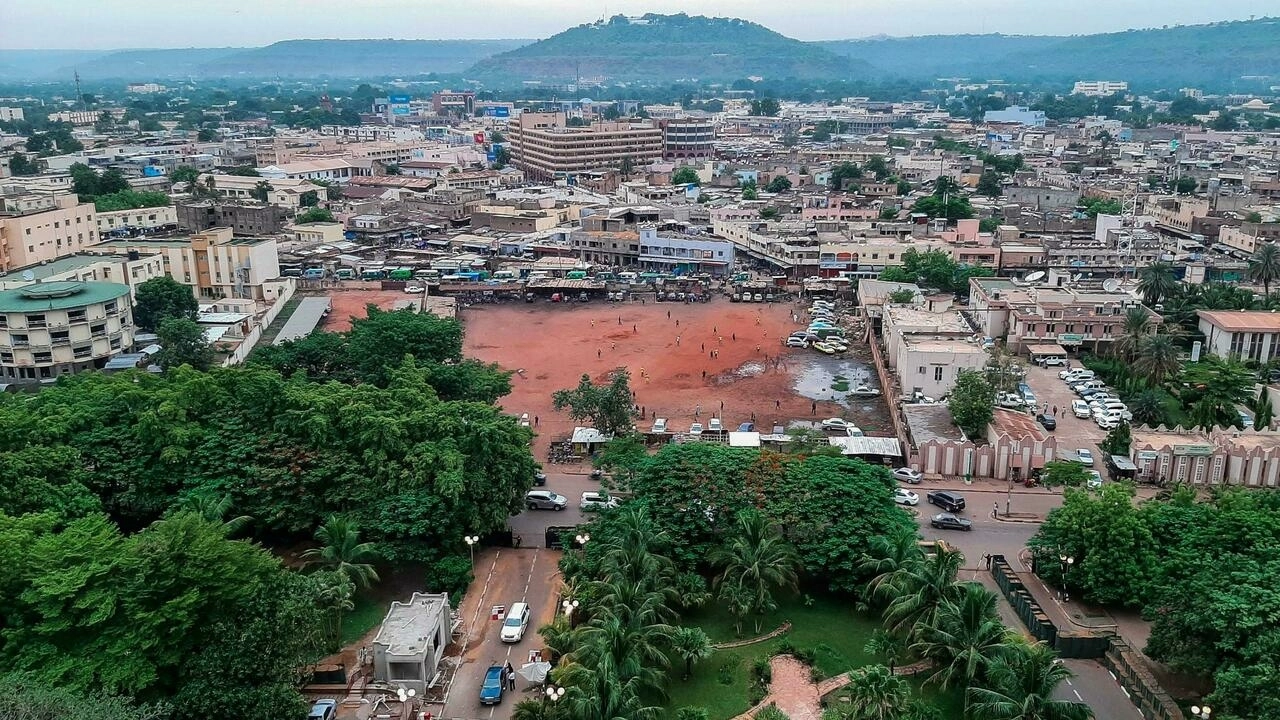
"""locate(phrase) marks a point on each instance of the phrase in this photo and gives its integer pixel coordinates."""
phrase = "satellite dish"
(1111, 285)
(1035, 276)
(28, 275)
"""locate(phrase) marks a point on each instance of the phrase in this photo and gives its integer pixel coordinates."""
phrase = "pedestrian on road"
(1055, 411)
(597, 353)
(704, 347)
(535, 421)
(704, 374)
(995, 509)
(668, 314)
(677, 341)
(677, 322)
(593, 323)
(634, 329)
(619, 319)
(777, 404)
(735, 337)
(714, 329)
(813, 408)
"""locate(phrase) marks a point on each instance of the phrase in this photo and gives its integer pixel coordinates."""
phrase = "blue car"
(491, 690)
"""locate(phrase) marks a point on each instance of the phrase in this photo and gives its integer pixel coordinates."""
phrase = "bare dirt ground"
(346, 304)
(673, 372)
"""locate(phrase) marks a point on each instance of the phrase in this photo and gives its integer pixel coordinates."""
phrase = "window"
(76, 315)
(43, 357)
(6, 357)
(921, 369)
(98, 329)
(115, 343)
(937, 373)
(35, 321)
(20, 340)
(59, 336)
(81, 352)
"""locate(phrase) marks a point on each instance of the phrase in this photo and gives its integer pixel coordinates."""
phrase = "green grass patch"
(840, 386)
(828, 626)
(366, 615)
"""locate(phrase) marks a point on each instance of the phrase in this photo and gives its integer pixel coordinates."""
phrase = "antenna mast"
(80, 93)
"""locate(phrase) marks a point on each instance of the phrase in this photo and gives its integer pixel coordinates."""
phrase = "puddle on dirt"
(831, 379)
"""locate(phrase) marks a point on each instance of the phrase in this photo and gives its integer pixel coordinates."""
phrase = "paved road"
(1072, 432)
(988, 535)
(1095, 685)
(531, 525)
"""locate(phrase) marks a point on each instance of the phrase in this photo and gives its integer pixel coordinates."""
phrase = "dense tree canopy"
(972, 403)
(162, 298)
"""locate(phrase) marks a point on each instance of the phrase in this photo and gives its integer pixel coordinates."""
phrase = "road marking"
(466, 639)
(1068, 682)
(1078, 697)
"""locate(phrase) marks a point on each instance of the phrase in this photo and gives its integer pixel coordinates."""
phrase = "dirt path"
(791, 689)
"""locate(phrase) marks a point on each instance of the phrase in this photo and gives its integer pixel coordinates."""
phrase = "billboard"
(399, 99)
(479, 138)
(498, 112)
(400, 110)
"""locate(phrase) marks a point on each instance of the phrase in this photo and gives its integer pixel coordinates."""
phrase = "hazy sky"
(100, 24)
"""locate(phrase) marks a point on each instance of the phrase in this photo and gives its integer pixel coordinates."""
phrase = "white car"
(596, 501)
(797, 342)
(1095, 480)
(1081, 409)
(824, 348)
(1107, 422)
(695, 430)
(1084, 456)
(836, 424)
(908, 475)
(902, 496)
(714, 425)
(414, 289)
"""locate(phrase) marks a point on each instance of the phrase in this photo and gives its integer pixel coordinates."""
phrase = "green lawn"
(367, 613)
(828, 625)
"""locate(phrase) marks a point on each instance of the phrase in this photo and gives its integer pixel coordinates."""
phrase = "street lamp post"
(1067, 562)
(1201, 712)
(471, 541)
(554, 693)
(583, 539)
(569, 606)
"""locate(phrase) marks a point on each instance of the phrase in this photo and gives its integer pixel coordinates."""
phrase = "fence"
(1111, 649)
(251, 339)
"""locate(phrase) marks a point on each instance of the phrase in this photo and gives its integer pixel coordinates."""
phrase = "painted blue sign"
(399, 99)
(498, 112)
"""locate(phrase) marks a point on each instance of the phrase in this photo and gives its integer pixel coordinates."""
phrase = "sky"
(107, 24)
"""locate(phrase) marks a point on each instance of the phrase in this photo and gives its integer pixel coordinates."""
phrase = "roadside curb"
(1033, 520)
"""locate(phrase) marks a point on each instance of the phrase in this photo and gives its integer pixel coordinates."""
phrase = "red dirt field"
(345, 304)
(555, 344)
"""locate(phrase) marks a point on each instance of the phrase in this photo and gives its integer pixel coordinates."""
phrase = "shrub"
(771, 713)
(725, 674)
(692, 713)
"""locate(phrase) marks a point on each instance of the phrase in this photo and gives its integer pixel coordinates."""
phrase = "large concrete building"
(688, 139)
(546, 148)
(1099, 88)
(1241, 334)
(40, 227)
(58, 328)
(242, 218)
(214, 263)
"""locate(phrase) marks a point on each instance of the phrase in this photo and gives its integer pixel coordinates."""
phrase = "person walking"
(668, 314)
(813, 408)
(535, 421)
(777, 404)
(635, 329)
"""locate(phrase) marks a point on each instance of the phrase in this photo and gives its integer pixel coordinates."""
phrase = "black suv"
(947, 521)
(1047, 421)
(946, 500)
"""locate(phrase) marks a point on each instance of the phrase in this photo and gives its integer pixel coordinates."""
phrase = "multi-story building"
(242, 218)
(50, 329)
(284, 192)
(331, 170)
(216, 264)
(140, 219)
(927, 347)
(1241, 334)
(451, 102)
(1246, 238)
(685, 254)
(1017, 115)
(75, 117)
(688, 138)
(147, 88)
(40, 227)
(373, 133)
(1099, 88)
(11, 114)
(88, 267)
(1038, 315)
(545, 148)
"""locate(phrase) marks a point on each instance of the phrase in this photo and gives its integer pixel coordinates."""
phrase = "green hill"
(1212, 56)
(665, 48)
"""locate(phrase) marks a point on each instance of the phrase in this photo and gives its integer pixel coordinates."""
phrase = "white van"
(516, 623)
(627, 277)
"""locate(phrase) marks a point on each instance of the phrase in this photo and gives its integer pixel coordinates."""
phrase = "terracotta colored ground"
(348, 303)
(555, 344)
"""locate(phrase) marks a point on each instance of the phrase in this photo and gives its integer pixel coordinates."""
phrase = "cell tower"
(80, 93)
(1128, 221)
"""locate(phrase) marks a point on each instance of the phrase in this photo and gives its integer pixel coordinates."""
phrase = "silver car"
(545, 500)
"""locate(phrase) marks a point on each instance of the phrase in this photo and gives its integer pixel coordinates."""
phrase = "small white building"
(1241, 334)
(408, 648)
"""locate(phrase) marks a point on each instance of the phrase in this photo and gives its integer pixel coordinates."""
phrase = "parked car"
(1054, 362)
(794, 341)
(908, 475)
(825, 348)
(1076, 375)
(903, 496)
(1010, 400)
(714, 425)
(1080, 409)
(747, 427)
(836, 423)
(1107, 422)
(1084, 456)
(947, 521)
(1047, 422)
(1095, 480)
(539, 478)
(491, 689)
(414, 289)
(695, 430)
(596, 501)
(659, 425)
(947, 500)
(323, 710)
(545, 500)
(515, 624)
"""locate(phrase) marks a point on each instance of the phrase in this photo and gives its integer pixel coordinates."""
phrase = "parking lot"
(1072, 432)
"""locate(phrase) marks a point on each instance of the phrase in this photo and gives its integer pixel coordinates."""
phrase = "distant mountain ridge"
(665, 48)
(1215, 55)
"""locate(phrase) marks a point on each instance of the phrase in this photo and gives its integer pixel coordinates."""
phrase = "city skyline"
(86, 25)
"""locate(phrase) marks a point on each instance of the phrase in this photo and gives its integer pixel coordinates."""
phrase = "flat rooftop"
(304, 319)
(408, 624)
(124, 244)
(56, 267)
(942, 345)
(1017, 425)
(947, 321)
(1242, 320)
(930, 422)
(1156, 439)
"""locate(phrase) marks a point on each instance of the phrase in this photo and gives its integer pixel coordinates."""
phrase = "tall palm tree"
(341, 550)
(1148, 409)
(1021, 686)
(758, 560)
(692, 645)
(887, 554)
(1156, 282)
(633, 653)
(892, 647)
(1158, 358)
(598, 692)
(965, 637)
(1135, 328)
(1264, 266)
(876, 694)
(920, 589)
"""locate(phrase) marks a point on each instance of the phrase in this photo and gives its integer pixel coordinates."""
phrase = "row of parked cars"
(1097, 401)
(823, 333)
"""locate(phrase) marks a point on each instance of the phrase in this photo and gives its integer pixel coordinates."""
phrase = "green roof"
(61, 295)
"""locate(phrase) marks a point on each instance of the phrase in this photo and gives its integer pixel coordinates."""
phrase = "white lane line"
(466, 637)
(1078, 697)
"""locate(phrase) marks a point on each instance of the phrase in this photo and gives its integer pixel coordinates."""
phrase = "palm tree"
(214, 508)
(888, 554)
(876, 694)
(692, 645)
(1264, 266)
(892, 647)
(1148, 409)
(756, 560)
(1158, 358)
(341, 550)
(1021, 686)
(1156, 282)
(558, 637)
(1136, 327)
(920, 589)
(632, 653)
(965, 637)
(597, 692)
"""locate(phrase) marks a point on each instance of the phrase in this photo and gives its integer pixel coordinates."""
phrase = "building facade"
(1099, 88)
(1241, 334)
(684, 254)
(242, 218)
(688, 139)
(57, 328)
(215, 263)
(43, 228)
(141, 219)
(546, 148)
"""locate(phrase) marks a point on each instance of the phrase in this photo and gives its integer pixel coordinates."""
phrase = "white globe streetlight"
(471, 541)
